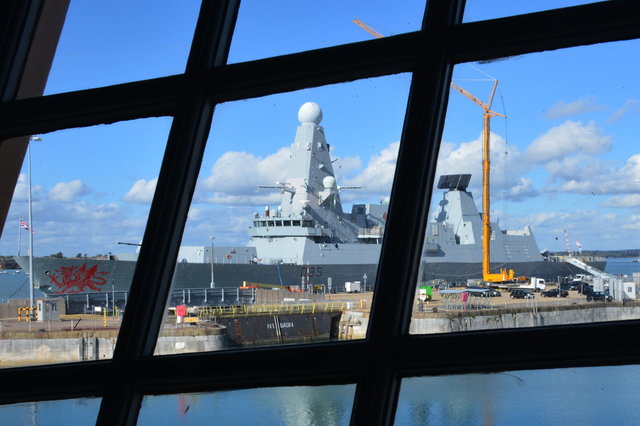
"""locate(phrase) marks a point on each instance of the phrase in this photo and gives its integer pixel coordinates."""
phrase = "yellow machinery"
(504, 275)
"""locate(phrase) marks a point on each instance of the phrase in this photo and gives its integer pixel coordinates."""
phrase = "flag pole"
(19, 236)
(31, 301)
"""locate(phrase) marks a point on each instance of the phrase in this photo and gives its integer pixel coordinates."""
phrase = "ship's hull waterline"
(114, 275)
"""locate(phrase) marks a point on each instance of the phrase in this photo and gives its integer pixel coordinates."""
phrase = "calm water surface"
(580, 396)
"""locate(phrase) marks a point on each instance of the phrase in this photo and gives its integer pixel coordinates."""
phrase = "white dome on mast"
(310, 113)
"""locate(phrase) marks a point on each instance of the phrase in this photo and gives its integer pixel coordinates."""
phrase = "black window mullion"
(394, 355)
(176, 183)
(377, 391)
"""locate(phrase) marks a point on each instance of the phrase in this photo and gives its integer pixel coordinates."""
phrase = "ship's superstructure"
(455, 232)
(309, 226)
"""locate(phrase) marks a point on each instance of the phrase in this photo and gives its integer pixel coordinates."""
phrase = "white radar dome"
(328, 182)
(310, 112)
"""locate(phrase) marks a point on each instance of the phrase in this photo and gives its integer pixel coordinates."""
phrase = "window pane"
(68, 412)
(90, 195)
(479, 10)
(291, 201)
(266, 29)
(589, 396)
(294, 405)
(104, 43)
(563, 195)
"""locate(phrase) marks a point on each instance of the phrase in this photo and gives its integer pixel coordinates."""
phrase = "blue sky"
(563, 158)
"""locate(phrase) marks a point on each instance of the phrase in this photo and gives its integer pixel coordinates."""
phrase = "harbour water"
(585, 396)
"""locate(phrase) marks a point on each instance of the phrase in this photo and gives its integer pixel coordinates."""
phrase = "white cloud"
(629, 106)
(377, 177)
(566, 139)
(21, 191)
(235, 177)
(141, 192)
(585, 175)
(623, 201)
(579, 106)
(522, 190)
(466, 158)
(68, 191)
(345, 166)
(633, 223)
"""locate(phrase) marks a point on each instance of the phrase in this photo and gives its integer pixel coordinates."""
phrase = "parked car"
(485, 291)
(492, 292)
(599, 296)
(521, 294)
(584, 288)
(554, 293)
(570, 286)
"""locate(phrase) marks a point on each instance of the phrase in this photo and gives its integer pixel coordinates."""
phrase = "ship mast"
(486, 185)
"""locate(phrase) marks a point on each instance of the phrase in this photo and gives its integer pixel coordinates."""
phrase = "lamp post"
(213, 283)
(31, 301)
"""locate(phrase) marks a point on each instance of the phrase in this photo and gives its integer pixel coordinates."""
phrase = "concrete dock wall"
(354, 324)
(469, 321)
(17, 352)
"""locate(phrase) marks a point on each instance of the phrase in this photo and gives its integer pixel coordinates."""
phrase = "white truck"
(352, 287)
(582, 278)
(535, 284)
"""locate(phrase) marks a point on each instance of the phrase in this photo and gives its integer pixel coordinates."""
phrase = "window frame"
(378, 363)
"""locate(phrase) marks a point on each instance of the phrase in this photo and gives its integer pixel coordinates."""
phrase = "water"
(622, 266)
(581, 396)
(584, 396)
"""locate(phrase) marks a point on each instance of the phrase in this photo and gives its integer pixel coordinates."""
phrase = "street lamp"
(213, 283)
(31, 302)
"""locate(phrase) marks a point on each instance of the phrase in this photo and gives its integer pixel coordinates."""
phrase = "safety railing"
(210, 312)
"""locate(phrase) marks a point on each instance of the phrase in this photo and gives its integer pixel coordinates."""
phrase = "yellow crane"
(367, 28)
(504, 275)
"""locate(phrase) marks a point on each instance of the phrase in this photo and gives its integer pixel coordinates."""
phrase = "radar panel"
(459, 182)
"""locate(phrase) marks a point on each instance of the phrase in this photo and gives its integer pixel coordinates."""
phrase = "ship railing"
(211, 312)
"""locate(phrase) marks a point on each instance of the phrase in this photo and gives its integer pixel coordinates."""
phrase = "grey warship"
(453, 242)
(309, 242)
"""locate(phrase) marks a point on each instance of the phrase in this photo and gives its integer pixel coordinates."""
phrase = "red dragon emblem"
(77, 279)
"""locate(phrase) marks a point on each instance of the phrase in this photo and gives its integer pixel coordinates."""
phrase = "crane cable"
(506, 152)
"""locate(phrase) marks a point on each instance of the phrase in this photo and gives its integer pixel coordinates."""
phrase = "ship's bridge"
(287, 227)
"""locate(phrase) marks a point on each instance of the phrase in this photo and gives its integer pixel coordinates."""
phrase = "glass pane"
(68, 412)
(266, 29)
(285, 228)
(294, 405)
(104, 43)
(587, 396)
(562, 195)
(479, 10)
(89, 199)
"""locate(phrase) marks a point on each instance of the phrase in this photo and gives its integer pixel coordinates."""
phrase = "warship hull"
(115, 275)
(55, 276)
